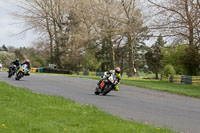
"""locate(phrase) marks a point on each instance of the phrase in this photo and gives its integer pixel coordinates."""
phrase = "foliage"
(36, 55)
(178, 19)
(89, 62)
(100, 25)
(37, 61)
(20, 55)
(4, 48)
(154, 56)
(190, 60)
(169, 70)
(6, 58)
(172, 55)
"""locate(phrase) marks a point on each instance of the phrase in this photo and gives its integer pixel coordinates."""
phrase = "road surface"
(161, 109)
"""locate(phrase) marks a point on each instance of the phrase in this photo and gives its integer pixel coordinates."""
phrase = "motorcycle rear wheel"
(9, 74)
(96, 91)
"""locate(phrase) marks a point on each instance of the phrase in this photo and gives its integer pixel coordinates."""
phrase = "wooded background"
(98, 35)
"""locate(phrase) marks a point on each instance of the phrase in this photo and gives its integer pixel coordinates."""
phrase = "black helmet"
(17, 60)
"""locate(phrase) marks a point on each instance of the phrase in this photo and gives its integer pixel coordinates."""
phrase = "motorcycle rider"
(116, 73)
(15, 63)
(27, 62)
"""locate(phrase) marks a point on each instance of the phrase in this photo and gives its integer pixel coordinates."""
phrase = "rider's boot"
(116, 88)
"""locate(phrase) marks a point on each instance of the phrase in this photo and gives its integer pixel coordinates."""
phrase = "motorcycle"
(108, 83)
(12, 70)
(22, 71)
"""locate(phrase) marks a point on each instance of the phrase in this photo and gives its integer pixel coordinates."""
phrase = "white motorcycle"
(106, 85)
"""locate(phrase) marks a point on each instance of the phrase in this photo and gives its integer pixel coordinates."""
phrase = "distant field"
(25, 112)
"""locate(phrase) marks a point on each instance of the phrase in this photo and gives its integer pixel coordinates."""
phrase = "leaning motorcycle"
(11, 71)
(106, 85)
(22, 71)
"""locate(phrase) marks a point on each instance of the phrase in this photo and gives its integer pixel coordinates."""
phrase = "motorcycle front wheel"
(18, 76)
(107, 89)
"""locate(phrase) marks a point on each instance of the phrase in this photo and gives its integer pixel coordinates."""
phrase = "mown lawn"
(187, 90)
(22, 111)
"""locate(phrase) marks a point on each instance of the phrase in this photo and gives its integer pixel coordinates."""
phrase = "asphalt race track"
(162, 109)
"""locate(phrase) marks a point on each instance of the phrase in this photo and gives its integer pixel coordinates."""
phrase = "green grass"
(22, 111)
(187, 90)
(4, 70)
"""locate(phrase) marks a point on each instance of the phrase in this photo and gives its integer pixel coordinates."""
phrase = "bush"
(6, 58)
(169, 70)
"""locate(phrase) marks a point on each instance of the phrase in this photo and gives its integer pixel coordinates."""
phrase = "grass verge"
(164, 85)
(186, 90)
(25, 112)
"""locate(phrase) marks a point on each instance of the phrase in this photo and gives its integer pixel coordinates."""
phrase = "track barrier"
(182, 79)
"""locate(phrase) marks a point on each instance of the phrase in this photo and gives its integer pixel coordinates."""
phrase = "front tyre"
(107, 89)
(18, 76)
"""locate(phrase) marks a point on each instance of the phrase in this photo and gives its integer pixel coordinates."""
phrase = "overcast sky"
(8, 28)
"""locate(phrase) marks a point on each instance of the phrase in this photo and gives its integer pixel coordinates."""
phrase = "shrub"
(6, 58)
(169, 70)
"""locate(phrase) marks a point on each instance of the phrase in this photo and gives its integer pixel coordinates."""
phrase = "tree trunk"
(131, 56)
(112, 54)
(156, 71)
(51, 39)
(190, 24)
(156, 75)
(57, 42)
(122, 63)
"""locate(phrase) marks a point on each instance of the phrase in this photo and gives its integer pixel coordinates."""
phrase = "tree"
(73, 27)
(90, 62)
(20, 55)
(169, 70)
(154, 56)
(133, 29)
(4, 48)
(191, 61)
(172, 54)
(6, 58)
(36, 15)
(178, 18)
